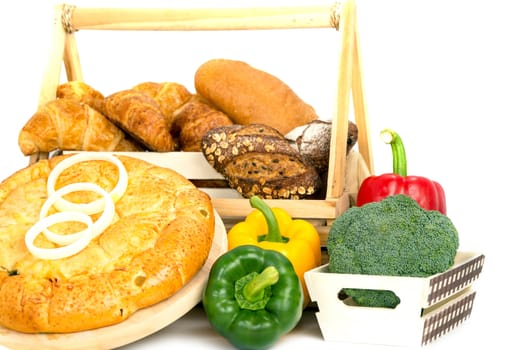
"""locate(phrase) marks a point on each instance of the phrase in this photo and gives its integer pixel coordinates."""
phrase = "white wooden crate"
(429, 307)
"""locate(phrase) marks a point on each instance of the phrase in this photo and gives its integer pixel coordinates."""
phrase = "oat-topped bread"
(158, 237)
(256, 159)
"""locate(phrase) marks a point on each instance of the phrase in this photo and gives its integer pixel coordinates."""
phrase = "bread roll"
(70, 125)
(251, 96)
(168, 95)
(81, 92)
(140, 116)
(256, 159)
(193, 120)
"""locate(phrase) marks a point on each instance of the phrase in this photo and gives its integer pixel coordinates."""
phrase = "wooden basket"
(346, 171)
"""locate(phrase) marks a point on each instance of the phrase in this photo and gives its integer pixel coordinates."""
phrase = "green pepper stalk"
(390, 137)
(253, 297)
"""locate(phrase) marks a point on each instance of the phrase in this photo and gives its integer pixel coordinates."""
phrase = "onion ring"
(98, 205)
(98, 227)
(61, 252)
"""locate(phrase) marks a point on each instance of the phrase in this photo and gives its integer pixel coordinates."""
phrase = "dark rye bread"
(256, 159)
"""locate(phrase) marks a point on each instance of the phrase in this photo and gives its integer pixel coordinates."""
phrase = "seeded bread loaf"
(256, 159)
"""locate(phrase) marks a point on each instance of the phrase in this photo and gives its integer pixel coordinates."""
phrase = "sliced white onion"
(98, 227)
(95, 206)
(61, 252)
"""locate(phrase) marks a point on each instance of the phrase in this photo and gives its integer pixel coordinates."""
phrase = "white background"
(446, 75)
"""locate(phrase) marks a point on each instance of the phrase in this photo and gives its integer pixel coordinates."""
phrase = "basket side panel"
(448, 318)
(454, 280)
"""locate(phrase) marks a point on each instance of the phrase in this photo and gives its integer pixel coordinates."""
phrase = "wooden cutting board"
(141, 324)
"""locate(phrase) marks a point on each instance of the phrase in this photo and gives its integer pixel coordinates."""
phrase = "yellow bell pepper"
(274, 229)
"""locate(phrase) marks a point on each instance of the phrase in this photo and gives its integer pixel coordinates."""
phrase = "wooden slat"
(51, 76)
(72, 59)
(314, 209)
(186, 18)
(339, 131)
(361, 119)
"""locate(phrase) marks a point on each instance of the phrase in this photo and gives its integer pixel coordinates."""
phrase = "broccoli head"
(394, 237)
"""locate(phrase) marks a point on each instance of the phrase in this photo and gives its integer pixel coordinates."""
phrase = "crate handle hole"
(368, 298)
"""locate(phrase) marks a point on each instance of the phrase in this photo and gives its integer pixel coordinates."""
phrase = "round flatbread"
(159, 238)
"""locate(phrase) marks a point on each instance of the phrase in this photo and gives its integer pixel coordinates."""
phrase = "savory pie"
(158, 239)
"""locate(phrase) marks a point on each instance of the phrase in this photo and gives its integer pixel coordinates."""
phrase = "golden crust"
(140, 116)
(81, 92)
(168, 95)
(159, 239)
(67, 124)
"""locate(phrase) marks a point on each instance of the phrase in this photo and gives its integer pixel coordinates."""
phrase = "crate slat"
(255, 16)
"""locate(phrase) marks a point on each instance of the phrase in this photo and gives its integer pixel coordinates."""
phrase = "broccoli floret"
(394, 237)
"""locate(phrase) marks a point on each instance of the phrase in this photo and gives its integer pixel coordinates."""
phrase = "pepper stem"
(273, 231)
(398, 151)
(254, 289)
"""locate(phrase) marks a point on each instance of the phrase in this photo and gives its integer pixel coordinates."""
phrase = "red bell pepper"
(429, 194)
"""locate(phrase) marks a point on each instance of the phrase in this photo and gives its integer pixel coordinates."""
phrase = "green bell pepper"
(253, 297)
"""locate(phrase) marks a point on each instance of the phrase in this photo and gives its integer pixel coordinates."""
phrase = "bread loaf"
(168, 95)
(256, 159)
(313, 142)
(81, 92)
(193, 120)
(158, 240)
(251, 96)
(140, 116)
(70, 125)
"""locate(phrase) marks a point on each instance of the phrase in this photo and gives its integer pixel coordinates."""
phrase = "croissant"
(140, 116)
(193, 120)
(168, 95)
(81, 92)
(70, 125)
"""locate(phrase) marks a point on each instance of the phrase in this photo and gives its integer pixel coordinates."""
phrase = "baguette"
(66, 124)
(256, 159)
(251, 96)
